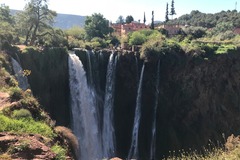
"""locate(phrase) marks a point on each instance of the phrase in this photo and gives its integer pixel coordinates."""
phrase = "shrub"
(98, 42)
(25, 126)
(137, 38)
(12, 82)
(16, 93)
(22, 113)
(224, 49)
(59, 151)
(196, 32)
(153, 49)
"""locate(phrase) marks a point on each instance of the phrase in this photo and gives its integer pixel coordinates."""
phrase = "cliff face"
(198, 101)
(49, 81)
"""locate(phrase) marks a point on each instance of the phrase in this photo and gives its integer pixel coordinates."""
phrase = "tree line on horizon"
(34, 26)
(208, 20)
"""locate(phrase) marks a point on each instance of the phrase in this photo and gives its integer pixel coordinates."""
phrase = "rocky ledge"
(25, 146)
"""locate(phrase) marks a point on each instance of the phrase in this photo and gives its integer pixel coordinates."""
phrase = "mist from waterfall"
(108, 132)
(153, 141)
(21, 78)
(84, 119)
(133, 152)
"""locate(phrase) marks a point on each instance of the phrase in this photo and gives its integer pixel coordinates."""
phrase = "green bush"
(195, 32)
(59, 151)
(98, 42)
(21, 113)
(142, 36)
(137, 38)
(20, 126)
(11, 81)
(16, 93)
(153, 49)
(224, 49)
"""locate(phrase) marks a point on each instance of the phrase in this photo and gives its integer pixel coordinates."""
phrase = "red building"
(172, 29)
(124, 29)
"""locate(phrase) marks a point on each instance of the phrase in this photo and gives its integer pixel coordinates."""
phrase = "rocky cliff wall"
(49, 80)
(198, 101)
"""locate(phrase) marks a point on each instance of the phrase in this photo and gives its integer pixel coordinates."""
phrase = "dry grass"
(230, 151)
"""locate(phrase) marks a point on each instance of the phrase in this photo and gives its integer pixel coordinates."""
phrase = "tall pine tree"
(172, 12)
(144, 18)
(152, 24)
(166, 16)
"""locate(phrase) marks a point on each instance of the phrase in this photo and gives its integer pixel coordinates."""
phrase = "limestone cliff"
(199, 97)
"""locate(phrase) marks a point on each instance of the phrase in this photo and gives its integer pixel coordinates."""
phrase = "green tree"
(7, 30)
(196, 32)
(97, 26)
(172, 12)
(76, 32)
(36, 20)
(120, 20)
(129, 19)
(56, 39)
(166, 16)
(144, 18)
(223, 27)
(137, 38)
(152, 24)
(142, 36)
(5, 15)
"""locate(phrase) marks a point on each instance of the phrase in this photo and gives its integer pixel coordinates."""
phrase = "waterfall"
(84, 119)
(108, 123)
(136, 61)
(21, 78)
(133, 152)
(92, 81)
(153, 141)
(90, 74)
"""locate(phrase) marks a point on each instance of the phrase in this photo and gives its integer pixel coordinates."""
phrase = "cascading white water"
(84, 119)
(153, 141)
(92, 85)
(133, 152)
(90, 74)
(21, 78)
(108, 126)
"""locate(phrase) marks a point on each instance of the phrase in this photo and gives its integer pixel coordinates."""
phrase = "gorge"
(136, 108)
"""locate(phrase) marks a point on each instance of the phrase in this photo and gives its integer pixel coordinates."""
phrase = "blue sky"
(112, 9)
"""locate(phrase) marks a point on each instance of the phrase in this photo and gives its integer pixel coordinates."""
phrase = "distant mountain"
(64, 21)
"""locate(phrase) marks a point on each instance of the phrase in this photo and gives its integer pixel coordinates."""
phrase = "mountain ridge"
(63, 21)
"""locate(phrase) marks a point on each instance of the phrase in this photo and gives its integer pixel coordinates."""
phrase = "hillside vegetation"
(26, 129)
(208, 20)
(198, 93)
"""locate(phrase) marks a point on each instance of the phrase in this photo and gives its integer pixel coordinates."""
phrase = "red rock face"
(25, 146)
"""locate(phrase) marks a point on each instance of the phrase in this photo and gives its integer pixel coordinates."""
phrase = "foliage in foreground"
(215, 154)
(60, 152)
(24, 125)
